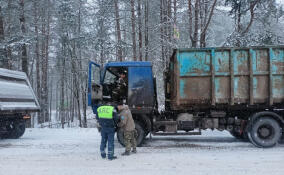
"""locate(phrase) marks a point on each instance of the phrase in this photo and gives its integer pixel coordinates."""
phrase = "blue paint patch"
(181, 89)
(218, 91)
(278, 87)
(255, 94)
(277, 57)
(236, 87)
(222, 61)
(241, 61)
(194, 62)
(253, 59)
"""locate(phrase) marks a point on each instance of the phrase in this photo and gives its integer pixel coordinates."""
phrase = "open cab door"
(95, 90)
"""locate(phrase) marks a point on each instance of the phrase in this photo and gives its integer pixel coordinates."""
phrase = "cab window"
(109, 78)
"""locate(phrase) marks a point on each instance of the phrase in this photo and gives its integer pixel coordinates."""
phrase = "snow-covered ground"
(76, 152)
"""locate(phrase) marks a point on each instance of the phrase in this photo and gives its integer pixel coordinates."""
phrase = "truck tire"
(15, 130)
(265, 132)
(140, 132)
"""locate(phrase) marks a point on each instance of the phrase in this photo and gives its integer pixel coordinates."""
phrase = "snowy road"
(76, 152)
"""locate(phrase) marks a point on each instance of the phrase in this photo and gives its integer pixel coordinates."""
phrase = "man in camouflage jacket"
(128, 126)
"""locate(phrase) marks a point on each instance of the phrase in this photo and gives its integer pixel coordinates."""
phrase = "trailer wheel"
(15, 130)
(265, 132)
(140, 134)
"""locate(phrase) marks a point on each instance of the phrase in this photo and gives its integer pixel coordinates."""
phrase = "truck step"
(175, 133)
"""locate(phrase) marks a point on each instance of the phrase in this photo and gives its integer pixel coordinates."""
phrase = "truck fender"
(265, 113)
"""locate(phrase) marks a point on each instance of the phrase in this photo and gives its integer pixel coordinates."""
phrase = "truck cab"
(140, 93)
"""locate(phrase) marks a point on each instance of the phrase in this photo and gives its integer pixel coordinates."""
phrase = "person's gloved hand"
(98, 126)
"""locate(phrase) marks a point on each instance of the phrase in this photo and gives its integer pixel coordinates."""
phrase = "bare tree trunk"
(1, 26)
(37, 57)
(72, 100)
(68, 95)
(146, 33)
(133, 29)
(196, 21)
(82, 77)
(45, 68)
(162, 28)
(43, 65)
(140, 29)
(175, 11)
(118, 32)
(206, 24)
(9, 50)
(62, 100)
(57, 106)
(169, 27)
(62, 94)
(190, 20)
(9, 58)
(23, 30)
(3, 51)
(169, 20)
(239, 19)
(84, 103)
(125, 28)
(251, 9)
(79, 107)
(50, 100)
(166, 31)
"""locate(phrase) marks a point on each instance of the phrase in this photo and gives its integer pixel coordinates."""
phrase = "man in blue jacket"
(107, 117)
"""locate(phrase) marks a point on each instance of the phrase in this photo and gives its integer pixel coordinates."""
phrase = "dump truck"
(240, 90)
(17, 101)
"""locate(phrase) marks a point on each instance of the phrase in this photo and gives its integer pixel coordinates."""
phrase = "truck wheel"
(265, 132)
(15, 130)
(140, 132)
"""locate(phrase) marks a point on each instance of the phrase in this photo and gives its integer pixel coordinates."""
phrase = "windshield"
(109, 77)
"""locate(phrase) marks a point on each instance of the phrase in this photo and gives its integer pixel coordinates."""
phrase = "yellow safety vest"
(105, 112)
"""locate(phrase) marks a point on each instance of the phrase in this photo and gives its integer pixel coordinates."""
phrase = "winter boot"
(126, 153)
(112, 157)
(103, 155)
(134, 151)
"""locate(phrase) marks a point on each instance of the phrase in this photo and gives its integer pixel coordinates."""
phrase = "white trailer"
(17, 101)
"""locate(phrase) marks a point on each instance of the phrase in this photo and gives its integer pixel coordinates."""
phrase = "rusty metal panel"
(278, 61)
(230, 76)
(261, 61)
(260, 89)
(194, 63)
(195, 89)
(222, 80)
(222, 89)
(277, 66)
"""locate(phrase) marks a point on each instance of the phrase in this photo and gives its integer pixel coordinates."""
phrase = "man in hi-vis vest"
(107, 117)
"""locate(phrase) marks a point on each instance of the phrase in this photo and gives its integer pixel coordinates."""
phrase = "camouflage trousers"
(130, 140)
